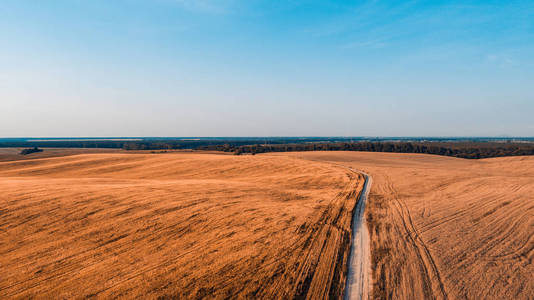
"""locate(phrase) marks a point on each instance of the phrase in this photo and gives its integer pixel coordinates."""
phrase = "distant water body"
(81, 140)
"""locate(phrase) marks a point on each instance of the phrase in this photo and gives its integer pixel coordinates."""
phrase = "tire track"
(434, 288)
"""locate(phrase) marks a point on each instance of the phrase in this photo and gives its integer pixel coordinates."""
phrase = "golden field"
(207, 225)
(174, 225)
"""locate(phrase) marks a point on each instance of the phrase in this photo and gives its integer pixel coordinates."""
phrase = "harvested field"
(447, 228)
(175, 225)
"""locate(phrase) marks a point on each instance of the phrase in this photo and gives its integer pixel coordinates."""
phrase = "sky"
(77, 68)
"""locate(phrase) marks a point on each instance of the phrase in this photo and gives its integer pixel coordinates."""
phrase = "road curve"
(358, 281)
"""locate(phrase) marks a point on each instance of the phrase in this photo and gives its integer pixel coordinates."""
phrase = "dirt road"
(359, 266)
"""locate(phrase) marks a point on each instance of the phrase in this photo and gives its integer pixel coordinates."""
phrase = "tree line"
(470, 150)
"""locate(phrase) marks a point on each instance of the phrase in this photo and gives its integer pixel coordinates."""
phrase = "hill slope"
(174, 225)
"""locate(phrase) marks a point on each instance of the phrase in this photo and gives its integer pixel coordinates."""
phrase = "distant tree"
(30, 151)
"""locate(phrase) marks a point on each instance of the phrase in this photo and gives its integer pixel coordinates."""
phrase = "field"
(276, 225)
(173, 225)
(447, 228)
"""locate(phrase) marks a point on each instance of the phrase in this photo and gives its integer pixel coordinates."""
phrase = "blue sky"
(266, 68)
